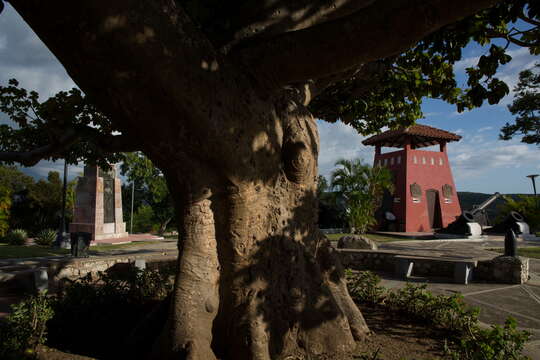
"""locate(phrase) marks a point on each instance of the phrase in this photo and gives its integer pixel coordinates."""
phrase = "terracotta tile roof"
(420, 135)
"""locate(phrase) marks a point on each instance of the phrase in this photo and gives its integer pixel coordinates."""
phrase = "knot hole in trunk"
(297, 161)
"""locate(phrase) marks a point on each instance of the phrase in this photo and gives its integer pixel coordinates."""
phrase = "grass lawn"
(16, 251)
(530, 252)
(376, 237)
(103, 248)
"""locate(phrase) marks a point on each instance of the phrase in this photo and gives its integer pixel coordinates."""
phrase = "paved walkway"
(160, 247)
(496, 301)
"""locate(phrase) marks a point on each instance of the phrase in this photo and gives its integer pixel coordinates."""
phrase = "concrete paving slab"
(496, 301)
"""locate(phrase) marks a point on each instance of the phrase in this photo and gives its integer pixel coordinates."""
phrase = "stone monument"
(98, 204)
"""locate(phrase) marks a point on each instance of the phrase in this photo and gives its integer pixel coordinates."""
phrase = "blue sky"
(480, 162)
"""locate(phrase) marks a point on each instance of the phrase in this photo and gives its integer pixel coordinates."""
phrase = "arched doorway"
(434, 208)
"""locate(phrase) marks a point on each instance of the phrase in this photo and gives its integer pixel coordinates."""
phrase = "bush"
(45, 237)
(143, 220)
(449, 313)
(496, 343)
(526, 205)
(364, 287)
(16, 237)
(5, 206)
(118, 299)
(25, 328)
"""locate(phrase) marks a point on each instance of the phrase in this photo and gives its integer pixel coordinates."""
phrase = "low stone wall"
(332, 231)
(52, 274)
(506, 270)
(74, 269)
(503, 269)
(357, 259)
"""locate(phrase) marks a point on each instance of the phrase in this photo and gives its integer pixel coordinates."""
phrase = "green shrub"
(143, 220)
(16, 237)
(496, 343)
(25, 328)
(119, 299)
(364, 287)
(5, 207)
(526, 205)
(45, 237)
(450, 313)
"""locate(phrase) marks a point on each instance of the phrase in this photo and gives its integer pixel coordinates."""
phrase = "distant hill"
(467, 201)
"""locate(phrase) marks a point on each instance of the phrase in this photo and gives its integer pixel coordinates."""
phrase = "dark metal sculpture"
(510, 243)
(80, 243)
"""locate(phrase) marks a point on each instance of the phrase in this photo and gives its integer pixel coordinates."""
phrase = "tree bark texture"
(256, 279)
(233, 136)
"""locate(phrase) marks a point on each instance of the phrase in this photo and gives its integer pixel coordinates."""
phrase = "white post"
(132, 199)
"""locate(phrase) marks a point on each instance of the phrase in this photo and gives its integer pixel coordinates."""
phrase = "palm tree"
(362, 187)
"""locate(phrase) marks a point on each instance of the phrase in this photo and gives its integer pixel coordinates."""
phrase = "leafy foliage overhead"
(390, 91)
(387, 92)
(67, 125)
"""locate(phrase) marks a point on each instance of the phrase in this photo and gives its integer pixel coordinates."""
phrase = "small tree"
(5, 205)
(153, 190)
(526, 106)
(362, 187)
(526, 205)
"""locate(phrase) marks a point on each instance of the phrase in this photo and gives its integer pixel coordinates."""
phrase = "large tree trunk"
(256, 279)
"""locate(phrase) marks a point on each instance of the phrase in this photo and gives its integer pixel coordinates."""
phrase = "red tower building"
(425, 197)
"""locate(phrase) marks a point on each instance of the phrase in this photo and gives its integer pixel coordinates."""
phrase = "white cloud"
(485, 128)
(473, 156)
(42, 168)
(23, 56)
(456, 113)
(464, 63)
(339, 141)
(521, 60)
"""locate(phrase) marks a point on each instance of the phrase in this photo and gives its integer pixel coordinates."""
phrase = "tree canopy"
(152, 190)
(368, 87)
(221, 97)
(526, 107)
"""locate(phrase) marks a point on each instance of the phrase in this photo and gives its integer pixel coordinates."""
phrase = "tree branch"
(498, 35)
(525, 18)
(130, 51)
(380, 30)
(32, 157)
(69, 137)
(266, 19)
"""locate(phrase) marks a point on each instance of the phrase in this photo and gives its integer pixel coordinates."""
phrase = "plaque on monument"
(447, 191)
(416, 192)
(98, 205)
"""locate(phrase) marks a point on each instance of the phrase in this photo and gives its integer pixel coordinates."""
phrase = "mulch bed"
(396, 337)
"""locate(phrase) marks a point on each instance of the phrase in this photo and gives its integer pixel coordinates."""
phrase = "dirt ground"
(394, 338)
(398, 338)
